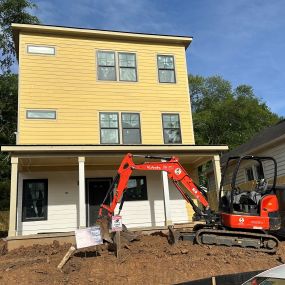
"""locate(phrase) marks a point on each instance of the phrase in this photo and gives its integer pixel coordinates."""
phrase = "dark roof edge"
(103, 30)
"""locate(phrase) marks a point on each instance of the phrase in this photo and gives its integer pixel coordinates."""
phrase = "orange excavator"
(245, 218)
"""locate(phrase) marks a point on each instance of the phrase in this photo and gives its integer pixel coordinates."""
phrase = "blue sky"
(241, 40)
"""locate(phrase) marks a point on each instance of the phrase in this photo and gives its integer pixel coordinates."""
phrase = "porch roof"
(40, 155)
(104, 149)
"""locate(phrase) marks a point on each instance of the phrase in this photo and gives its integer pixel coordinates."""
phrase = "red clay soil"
(151, 260)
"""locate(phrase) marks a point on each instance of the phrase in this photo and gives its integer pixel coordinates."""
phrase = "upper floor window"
(106, 65)
(35, 193)
(127, 66)
(35, 49)
(171, 129)
(131, 128)
(166, 69)
(41, 114)
(109, 128)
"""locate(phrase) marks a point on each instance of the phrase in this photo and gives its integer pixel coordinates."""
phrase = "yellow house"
(86, 98)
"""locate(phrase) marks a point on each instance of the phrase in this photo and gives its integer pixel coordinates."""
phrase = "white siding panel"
(62, 203)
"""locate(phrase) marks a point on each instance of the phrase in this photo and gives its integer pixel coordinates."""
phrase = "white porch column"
(217, 171)
(82, 204)
(167, 211)
(13, 197)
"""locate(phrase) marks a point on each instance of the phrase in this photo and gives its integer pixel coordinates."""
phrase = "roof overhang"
(104, 149)
(100, 34)
(108, 154)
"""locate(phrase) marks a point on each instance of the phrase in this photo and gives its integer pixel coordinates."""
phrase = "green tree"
(12, 11)
(223, 115)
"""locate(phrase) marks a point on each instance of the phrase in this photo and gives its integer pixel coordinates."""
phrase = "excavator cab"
(240, 196)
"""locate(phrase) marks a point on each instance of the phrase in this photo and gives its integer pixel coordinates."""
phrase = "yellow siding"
(67, 82)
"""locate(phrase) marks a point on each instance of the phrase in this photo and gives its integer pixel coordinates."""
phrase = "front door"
(96, 190)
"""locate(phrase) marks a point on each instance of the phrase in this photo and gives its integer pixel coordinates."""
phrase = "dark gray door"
(96, 189)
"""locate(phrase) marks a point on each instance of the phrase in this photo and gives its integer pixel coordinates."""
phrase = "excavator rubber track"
(255, 241)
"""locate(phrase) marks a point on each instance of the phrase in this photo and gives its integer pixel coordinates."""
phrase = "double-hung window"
(166, 69)
(109, 128)
(171, 129)
(106, 65)
(131, 128)
(35, 192)
(127, 67)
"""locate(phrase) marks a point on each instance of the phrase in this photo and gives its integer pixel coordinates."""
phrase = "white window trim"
(41, 110)
(41, 53)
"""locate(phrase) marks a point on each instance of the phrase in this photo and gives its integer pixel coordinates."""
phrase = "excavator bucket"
(104, 223)
(107, 235)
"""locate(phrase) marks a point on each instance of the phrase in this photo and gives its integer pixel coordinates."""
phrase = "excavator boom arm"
(175, 172)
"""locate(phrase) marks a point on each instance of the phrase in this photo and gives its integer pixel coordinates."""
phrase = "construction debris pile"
(150, 260)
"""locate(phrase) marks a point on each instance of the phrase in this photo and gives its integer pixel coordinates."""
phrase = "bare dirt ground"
(151, 260)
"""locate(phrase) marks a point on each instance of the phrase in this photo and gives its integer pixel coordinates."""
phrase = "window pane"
(259, 171)
(34, 200)
(127, 60)
(109, 136)
(249, 174)
(106, 73)
(165, 62)
(172, 136)
(41, 50)
(171, 121)
(166, 76)
(109, 120)
(131, 136)
(130, 120)
(41, 114)
(128, 74)
(106, 58)
(137, 190)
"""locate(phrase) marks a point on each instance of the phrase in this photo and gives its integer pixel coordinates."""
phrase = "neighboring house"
(269, 142)
(86, 98)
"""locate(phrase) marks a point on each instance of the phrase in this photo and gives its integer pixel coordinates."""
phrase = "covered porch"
(70, 181)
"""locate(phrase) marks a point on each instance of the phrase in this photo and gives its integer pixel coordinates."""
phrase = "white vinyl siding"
(63, 203)
(277, 152)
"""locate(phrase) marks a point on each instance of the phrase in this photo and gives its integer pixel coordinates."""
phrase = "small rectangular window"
(249, 174)
(35, 193)
(41, 50)
(166, 69)
(171, 129)
(41, 114)
(106, 65)
(131, 128)
(109, 128)
(127, 66)
(259, 171)
(137, 190)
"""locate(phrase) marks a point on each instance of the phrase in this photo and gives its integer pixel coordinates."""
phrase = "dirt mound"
(151, 260)
(40, 250)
